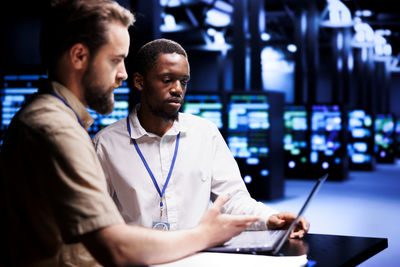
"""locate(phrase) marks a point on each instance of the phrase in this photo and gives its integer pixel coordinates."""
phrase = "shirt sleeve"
(101, 154)
(78, 188)
(226, 179)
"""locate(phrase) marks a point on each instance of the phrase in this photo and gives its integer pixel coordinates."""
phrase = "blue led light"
(252, 161)
(325, 165)
(314, 157)
(360, 147)
(247, 179)
(217, 18)
(292, 164)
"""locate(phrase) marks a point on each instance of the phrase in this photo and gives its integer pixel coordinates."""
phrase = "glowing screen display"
(207, 106)
(248, 125)
(384, 136)
(326, 125)
(360, 145)
(248, 135)
(295, 141)
(15, 91)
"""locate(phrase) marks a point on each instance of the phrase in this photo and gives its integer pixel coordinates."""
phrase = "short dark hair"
(68, 22)
(147, 55)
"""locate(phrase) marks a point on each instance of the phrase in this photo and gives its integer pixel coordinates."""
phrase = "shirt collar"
(138, 131)
(74, 102)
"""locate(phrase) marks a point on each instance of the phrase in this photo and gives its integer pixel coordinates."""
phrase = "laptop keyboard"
(253, 239)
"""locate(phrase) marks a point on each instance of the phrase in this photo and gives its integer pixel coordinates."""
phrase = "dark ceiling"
(15, 14)
(383, 16)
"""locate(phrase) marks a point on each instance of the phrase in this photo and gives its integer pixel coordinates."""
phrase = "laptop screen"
(301, 212)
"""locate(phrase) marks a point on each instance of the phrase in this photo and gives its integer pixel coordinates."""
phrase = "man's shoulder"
(113, 130)
(43, 110)
(187, 117)
(196, 122)
(46, 119)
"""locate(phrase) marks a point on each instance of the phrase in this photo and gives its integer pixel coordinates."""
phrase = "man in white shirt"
(162, 166)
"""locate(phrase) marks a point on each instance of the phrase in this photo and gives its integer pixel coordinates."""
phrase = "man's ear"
(79, 56)
(138, 81)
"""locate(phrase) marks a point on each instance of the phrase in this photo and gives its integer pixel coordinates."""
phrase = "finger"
(287, 216)
(307, 225)
(300, 230)
(303, 224)
(297, 234)
(274, 222)
(249, 222)
(243, 225)
(243, 219)
(279, 222)
(220, 201)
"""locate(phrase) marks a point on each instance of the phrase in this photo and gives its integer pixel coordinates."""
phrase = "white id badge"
(161, 222)
(164, 226)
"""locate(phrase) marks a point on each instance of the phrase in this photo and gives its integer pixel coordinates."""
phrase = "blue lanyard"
(161, 193)
(65, 102)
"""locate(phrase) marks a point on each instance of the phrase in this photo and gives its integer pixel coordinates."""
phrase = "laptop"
(270, 241)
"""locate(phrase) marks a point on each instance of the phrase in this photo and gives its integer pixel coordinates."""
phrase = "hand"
(284, 219)
(222, 227)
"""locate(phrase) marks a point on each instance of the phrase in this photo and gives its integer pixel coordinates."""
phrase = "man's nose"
(177, 87)
(122, 75)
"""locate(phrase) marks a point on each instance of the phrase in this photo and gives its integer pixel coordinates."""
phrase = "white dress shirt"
(204, 169)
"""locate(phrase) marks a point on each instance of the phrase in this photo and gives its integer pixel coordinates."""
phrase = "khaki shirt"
(53, 186)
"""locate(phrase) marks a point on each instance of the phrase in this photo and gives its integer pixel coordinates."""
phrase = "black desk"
(334, 250)
(321, 250)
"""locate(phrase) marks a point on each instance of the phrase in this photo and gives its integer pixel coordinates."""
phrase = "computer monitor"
(360, 146)
(384, 138)
(328, 151)
(295, 140)
(121, 110)
(206, 105)
(248, 137)
(248, 124)
(15, 90)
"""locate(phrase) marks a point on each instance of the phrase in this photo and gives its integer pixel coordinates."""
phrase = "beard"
(160, 112)
(98, 97)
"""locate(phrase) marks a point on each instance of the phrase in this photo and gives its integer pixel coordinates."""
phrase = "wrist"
(200, 237)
